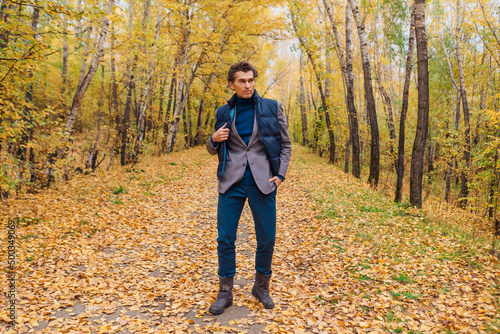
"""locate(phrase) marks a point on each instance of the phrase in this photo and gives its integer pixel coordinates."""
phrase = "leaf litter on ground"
(134, 250)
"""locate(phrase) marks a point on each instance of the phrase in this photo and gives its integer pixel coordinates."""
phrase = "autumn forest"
(402, 96)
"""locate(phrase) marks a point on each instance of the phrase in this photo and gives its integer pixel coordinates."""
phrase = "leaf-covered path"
(134, 251)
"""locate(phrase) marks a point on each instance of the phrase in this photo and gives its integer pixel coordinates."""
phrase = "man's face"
(244, 84)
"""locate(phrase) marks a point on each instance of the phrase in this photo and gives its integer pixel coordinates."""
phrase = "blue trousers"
(229, 210)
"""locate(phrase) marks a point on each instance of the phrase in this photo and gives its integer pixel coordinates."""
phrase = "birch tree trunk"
(125, 123)
(171, 95)
(126, 114)
(302, 98)
(321, 92)
(23, 152)
(373, 178)
(390, 118)
(400, 165)
(417, 160)
(86, 48)
(181, 103)
(146, 95)
(81, 90)
(93, 151)
(163, 83)
(351, 107)
(201, 109)
(113, 106)
(64, 73)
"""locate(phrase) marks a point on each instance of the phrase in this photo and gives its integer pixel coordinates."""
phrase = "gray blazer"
(238, 154)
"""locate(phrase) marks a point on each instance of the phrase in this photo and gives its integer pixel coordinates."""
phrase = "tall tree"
(464, 190)
(348, 84)
(302, 99)
(417, 158)
(324, 104)
(146, 92)
(125, 122)
(400, 165)
(373, 178)
(351, 107)
(24, 154)
(81, 90)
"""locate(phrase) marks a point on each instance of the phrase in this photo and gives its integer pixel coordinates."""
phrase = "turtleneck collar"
(245, 102)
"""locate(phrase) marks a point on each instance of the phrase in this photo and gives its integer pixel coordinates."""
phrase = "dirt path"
(135, 252)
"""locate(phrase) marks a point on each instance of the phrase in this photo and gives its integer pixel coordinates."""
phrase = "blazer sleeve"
(286, 143)
(211, 148)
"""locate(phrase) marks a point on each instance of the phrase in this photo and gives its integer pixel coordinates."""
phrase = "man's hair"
(242, 66)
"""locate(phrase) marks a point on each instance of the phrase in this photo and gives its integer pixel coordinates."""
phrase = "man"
(254, 148)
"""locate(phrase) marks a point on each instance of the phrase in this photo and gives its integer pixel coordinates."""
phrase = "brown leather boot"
(224, 297)
(260, 290)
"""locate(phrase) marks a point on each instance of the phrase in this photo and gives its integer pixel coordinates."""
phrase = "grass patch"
(29, 221)
(411, 295)
(403, 278)
(119, 190)
(29, 236)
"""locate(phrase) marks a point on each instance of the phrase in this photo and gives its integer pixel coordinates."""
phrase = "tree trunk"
(181, 103)
(303, 115)
(347, 152)
(93, 151)
(201, 109)
(171, 94)
(187, 123)
(23, 152)
(146, 94)
(126, 114)
(492, 87)
(125, 122)
(369, 97)
(419, 145)
(464, 191)
(384, 96)
(321, 92)
(400, 164)
(64, 61)
(86, 48)
(494, 182)
(318, 121)
(163, 83)
(449, 169)
(114, 85)
(310, 96)
(328, 69)
(82, 89)
(5, 14)
(390, 118)
(351, 107)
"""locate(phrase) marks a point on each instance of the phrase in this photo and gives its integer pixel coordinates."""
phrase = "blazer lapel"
(233, 129)
(255, 132)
